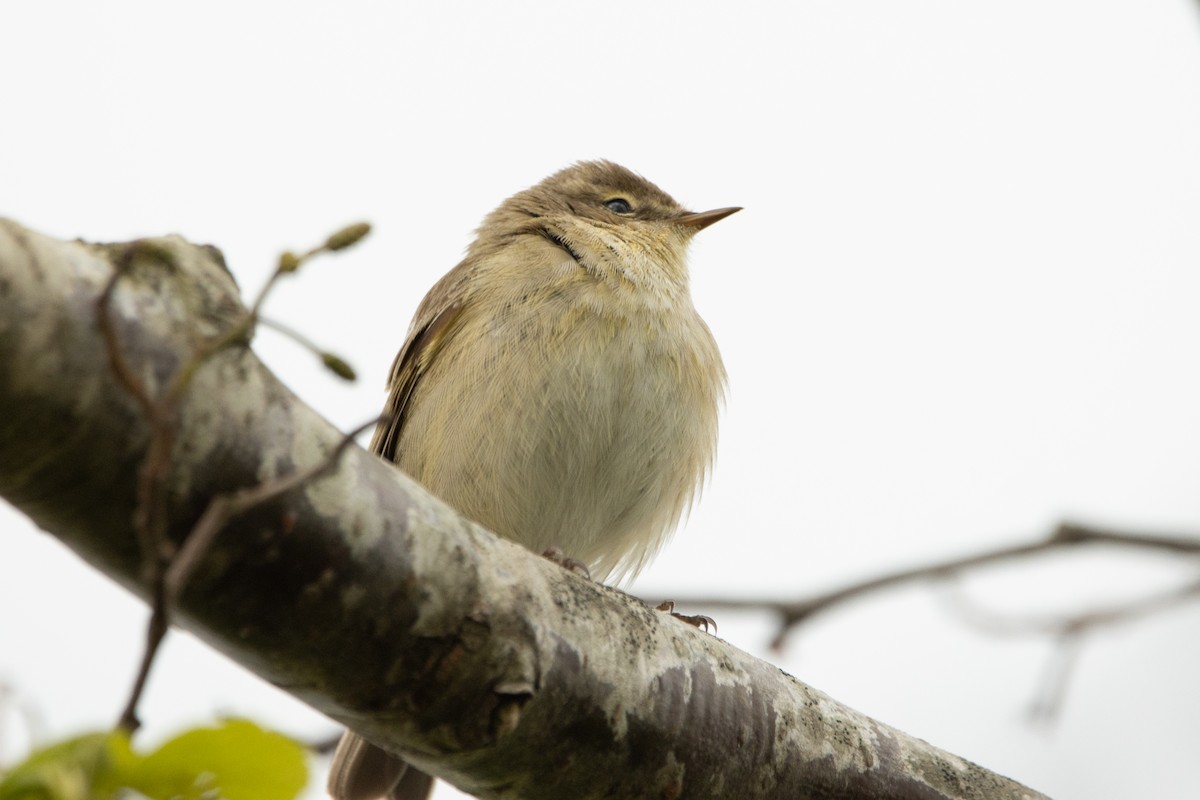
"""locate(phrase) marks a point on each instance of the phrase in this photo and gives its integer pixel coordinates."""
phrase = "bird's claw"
(556, 555)
(702, 621)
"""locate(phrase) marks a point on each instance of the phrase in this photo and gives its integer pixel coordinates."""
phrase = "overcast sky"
(961, 304)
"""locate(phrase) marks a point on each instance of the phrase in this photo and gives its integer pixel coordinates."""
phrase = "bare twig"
(149, 520)
(221, 509)
(793, 613)
(166, 569)
(1002, 624)
(1069, 633)
(1048, 700)
(150, 513)
(331, 361)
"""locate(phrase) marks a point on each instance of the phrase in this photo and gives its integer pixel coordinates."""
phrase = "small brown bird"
(559, 388)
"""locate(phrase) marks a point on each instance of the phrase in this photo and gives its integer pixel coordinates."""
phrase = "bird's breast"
(587, 428)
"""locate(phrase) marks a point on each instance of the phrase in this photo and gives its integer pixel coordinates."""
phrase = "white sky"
(961, 303)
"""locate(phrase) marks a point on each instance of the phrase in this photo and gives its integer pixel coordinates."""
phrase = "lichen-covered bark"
(374, 602)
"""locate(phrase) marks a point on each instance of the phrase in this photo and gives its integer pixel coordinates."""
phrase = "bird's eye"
(618, 205)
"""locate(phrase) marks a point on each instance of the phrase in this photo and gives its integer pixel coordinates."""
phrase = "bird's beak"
(699, 220)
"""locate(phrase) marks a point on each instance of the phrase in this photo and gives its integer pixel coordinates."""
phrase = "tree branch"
(793, 613)
(1069, 632)
(374, 602)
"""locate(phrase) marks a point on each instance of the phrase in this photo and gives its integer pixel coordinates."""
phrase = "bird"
(559, 388)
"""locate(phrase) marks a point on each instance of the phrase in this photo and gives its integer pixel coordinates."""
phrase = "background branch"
(793, 613)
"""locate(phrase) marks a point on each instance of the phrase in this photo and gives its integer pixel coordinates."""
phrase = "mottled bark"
(374, 602)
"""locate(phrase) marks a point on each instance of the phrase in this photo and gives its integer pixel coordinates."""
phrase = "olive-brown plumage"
(558, 387)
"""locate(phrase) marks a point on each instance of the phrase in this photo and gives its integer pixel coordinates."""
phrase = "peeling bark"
(374, 602)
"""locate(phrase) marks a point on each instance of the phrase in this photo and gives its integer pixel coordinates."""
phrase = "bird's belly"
(601, 464)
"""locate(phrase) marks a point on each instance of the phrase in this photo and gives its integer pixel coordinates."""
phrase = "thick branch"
(374, 602)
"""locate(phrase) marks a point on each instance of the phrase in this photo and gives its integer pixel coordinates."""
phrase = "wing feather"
(432, 327)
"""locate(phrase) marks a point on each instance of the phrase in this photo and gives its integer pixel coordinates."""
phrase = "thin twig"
(1048, 700)
(1069, 633)
(221, 509)
(793, 613)
(1002, 624)
(150, 511)
(156, 629)
(149, 519)
(163, 568)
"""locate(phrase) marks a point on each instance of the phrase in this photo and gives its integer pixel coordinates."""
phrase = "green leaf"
(81, 768)
(236, 760)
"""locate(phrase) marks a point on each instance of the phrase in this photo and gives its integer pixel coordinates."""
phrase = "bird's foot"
(556, 555)
(695, 620)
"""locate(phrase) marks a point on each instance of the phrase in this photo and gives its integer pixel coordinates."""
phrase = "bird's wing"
(434, 322)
